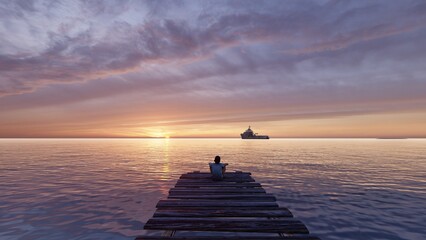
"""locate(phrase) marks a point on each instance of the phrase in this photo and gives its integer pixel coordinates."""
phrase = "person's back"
(217, 169)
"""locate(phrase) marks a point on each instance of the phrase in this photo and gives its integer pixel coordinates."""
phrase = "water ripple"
(108, 188)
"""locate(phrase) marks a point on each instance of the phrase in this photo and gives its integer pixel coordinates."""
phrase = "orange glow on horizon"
(399, 124)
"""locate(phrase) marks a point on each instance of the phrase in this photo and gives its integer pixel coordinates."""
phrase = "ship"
(249, 134)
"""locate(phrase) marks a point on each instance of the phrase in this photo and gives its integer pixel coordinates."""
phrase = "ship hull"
(254, 137)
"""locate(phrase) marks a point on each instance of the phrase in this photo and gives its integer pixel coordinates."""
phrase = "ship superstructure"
(249, 134)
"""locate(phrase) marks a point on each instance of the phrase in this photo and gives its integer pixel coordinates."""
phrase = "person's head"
(217, 159)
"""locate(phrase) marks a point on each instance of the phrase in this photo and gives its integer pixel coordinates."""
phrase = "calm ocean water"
(108, 188)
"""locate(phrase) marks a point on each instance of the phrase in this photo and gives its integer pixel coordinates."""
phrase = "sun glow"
(157, 133)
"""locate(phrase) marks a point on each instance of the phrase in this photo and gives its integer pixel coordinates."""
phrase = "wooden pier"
(236, 204)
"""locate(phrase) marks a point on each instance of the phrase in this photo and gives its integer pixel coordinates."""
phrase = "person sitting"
(217, 169)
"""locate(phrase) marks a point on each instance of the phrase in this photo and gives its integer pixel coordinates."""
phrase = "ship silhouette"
(249, 134)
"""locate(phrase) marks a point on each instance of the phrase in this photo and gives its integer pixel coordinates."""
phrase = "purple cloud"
(273, 55)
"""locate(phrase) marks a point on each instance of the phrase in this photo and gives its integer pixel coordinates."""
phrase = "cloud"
(267, 55)
(122, 47)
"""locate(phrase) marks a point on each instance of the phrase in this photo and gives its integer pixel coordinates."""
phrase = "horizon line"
(211, 138)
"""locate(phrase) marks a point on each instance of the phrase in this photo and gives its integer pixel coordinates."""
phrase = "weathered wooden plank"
(219, 184)
(288, 226)
(219, 190)
(206, 186)
(217, 208)
(187, 213)
(217, 193)
(203, 180)
(251, 197)
(230, 194)
(299, 237)
(208, 175)
(228, 172)
(213, 203)
(206, 172)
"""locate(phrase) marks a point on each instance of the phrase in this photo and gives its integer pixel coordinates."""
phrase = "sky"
(212, 68)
